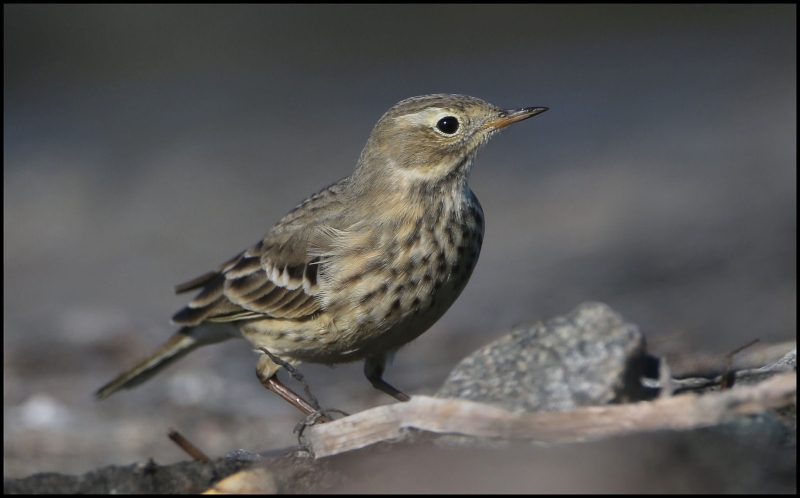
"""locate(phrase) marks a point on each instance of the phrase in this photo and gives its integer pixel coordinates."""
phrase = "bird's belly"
(376, 329)
(414, 322)
(390, 286)
(388, 309)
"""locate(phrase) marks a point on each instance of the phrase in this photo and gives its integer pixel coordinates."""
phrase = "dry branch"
(187, 446)
(454, 416)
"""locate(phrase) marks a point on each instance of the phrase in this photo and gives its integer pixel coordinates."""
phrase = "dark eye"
(447, 125)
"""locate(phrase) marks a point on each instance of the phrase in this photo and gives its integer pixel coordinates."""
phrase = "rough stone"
(589, 357)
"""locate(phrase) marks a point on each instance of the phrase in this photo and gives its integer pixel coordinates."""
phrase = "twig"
(665, 379)
(727, 378)
(184, 444)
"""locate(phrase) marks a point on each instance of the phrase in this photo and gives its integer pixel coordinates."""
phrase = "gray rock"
(588, 357)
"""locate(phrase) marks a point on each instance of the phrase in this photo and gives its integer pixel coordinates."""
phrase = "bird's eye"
(447, 125)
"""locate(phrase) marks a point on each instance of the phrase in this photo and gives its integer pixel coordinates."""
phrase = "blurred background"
(144, 145)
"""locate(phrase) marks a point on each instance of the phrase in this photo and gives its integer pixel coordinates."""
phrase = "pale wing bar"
(245, 288)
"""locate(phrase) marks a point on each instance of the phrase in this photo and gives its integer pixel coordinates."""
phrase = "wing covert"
(275, 278)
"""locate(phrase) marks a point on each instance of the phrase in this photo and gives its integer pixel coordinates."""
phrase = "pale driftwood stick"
(682, 412)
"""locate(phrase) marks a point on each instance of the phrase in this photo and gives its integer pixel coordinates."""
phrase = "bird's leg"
(266, 371)
(276, 386)
(373, 369)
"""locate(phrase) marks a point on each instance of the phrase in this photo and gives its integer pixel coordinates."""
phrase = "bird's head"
(433, 137)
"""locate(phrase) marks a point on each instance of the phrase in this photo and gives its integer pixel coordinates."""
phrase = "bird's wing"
(275, 278)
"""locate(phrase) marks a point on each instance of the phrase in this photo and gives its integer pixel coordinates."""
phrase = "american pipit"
(360, 268)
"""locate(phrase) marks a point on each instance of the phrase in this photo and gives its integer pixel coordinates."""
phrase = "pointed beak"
(512, 116)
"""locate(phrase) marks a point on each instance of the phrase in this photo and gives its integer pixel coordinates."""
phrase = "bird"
(362, 267)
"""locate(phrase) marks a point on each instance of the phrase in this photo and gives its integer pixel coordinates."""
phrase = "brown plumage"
(362, 267)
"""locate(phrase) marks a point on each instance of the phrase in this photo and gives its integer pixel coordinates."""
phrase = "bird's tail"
(183, 342)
